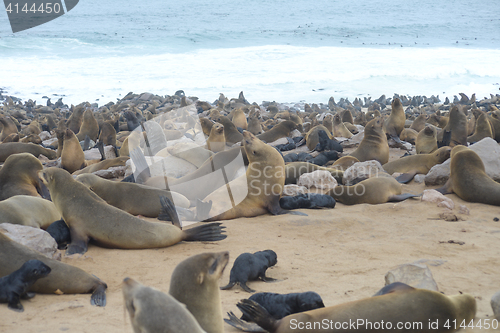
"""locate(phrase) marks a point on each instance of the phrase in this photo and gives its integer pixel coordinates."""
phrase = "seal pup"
(249, 267)
(62, 278)
(195, 283)
(468, 178)
(41, 213)
(12, 148)
(374, 145)
(13, 137)
(89, 216)
(312, 136)
(327, 143)
(307, 201)
(395, 306)
(375, 190)
(19, 176)
(216, 142)
(151, 310)
(426, 141)
(15, 286)
(410, 165)
(396, 121)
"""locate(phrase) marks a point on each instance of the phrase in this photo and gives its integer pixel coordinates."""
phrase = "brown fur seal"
(456, 128)
(396, 121)
(72, 156)
(347, 117)
(339, 129)
(206, 125)
(9, 127)
(483, 129)
(427, 140)
(328, 122)
(419, 123)
(62, 278)
(495, 124)
(75, 120)
(398, 308)
(345, 162)
(11, 148)
(413, 164)
(103, 165)
(41, 212)
(374, 144)
(195, 283)
(19, 176)
(375, 190)
(32, 138)
(240, 119)
(13, 137)
(89, 216)
(280, 130)
(133, 198)
(107, 135)
(312, 136)
(254, 125)
(469, 180)
(216, 142)
(231, 134)
(409, 135)
(151, 310)
(258, 191)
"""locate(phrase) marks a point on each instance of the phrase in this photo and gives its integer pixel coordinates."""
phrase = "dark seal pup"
(307, 200)
(15, 286)
(249, 267)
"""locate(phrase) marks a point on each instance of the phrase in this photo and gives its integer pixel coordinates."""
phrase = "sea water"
(287, 51)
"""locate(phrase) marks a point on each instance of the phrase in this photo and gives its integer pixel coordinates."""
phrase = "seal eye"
(213, 268)
(254, 152)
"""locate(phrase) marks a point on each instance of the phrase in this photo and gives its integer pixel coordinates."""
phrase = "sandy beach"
(341, 253)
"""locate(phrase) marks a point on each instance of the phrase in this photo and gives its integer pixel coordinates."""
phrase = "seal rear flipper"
(210, 232)
(406, 177)
(394, 287)
(78, 244)
(446, 188)
(228, 286)
(246, 288)
(402, 197)
(28, 295)
(258, 314)
(98, 297)
(168, 211)
(242, 325)
(100, 147)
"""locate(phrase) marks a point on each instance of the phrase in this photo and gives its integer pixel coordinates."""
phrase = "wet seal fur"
(195, 283)
(90, 217)
(62, 278)
(151, 310)
(248, 267)
(398, 303)
(15, 286)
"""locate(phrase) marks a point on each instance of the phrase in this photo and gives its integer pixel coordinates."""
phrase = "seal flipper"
(275, 209)
(210, 232)
(14, 302)
(78, 243)
(394, 287)
(168, 211)
(86, 143)
(258, 314)
(447, 188)
(402, 197)
(98, 297)
(242, 325)
(246, 288)
(100, 147)
(228, 286)
(406, 177)
(446, 139)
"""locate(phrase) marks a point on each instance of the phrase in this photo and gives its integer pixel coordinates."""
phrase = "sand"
(341, 253)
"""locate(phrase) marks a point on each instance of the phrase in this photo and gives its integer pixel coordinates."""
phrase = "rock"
(145, 97)
(489, 152)
(295, 133)
(113, 172)
(436, 197)
(34, 238)
(362, 170)
(49, 142)
(292, 190)
(320, 179)
(449, 216)
(44, 135)
(495, 304)
(280, 141)
(419, 178)
(462, 209)
(94, 154)
(414, 274)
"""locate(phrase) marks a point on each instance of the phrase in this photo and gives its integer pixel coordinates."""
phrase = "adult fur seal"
(89, 216)
(8, 128)
(427, 140)
(133, 198)
(248, 267)
(151, 310)
(240, 119)
(216, 142)
(62, 278)
(19, 175)
(375, 190)
(103, 165)
(455, 131)
(483, 129)
(259, 189)
(396, 121)
(469, 180)
(280, 130)
(413, 164)
(72, 156)
(339, 129)
(231, 133)
(11, 148)
(15, 286)
(195, 283)
(29, 210)
(89, 127)
(397, 306)
(374, 144)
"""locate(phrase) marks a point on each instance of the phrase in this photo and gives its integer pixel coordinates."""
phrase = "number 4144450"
(43, 8)
(480, 323)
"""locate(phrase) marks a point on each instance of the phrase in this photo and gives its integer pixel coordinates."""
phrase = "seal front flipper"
(14, 303)
(242, 325)
(168, 212)
(210, 232)
(258, 314)
(406, 177)
(402, 197)
(43, 190)
(446, 188)
(78, 244)
(98, 297)
(100, 147)
(394, 287)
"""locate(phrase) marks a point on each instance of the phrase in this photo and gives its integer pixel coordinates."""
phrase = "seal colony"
(83, 154)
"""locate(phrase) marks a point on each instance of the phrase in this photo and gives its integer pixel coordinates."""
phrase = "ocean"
(284, 51)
